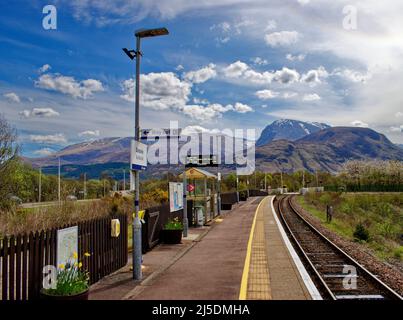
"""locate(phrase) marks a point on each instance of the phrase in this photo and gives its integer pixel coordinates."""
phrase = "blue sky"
(225, 64)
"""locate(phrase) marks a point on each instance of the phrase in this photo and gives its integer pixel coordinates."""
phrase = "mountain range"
(288, 130)
(286, 145)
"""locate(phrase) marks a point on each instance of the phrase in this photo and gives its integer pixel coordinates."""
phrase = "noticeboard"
(67, 245)
(175, 196)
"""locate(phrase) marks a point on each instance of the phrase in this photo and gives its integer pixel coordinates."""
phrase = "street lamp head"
(130, 53)
(144, 33)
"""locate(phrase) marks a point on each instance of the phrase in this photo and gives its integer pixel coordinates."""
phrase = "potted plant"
(243, 195)
(72, 282)
(172, 231)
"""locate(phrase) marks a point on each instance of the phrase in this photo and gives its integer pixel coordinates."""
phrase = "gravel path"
(389, 274)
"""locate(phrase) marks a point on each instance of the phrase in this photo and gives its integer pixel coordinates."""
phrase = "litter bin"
(199, 216)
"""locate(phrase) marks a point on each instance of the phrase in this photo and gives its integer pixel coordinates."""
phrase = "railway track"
(337, 275)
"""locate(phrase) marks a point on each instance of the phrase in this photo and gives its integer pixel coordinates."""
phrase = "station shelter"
(202, 189)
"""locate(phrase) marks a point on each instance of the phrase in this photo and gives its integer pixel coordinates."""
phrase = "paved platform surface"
(212, 269)
(272, 272)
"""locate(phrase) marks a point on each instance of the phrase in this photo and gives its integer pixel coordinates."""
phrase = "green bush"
(398, 252)
(361, 233)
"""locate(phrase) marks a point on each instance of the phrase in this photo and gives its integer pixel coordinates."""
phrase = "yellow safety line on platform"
(244, 282)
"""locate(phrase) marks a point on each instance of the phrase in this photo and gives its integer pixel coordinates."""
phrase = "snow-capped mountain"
(288, 130)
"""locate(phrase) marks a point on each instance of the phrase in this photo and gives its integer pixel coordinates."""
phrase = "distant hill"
(288, 130)
(326, 150)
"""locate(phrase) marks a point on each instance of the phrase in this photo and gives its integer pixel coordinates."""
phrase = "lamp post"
(137, 253)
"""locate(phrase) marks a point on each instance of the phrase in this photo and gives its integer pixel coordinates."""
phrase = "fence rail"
(22, 257)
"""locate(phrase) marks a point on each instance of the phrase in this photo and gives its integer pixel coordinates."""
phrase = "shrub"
(398, 252)
(173, 224)
(361, 233)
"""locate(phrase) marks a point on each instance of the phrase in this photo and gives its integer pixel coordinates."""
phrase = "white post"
(40, 185)
(58, 186)
(85, 185)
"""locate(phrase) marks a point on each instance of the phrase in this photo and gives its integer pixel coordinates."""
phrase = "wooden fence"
(155, 219)
(23, 257)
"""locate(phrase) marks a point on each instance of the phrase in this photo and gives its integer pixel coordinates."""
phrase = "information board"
(175, 196)
(67, 245)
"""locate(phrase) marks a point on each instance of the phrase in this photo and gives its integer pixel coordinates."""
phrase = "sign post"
(138, 161)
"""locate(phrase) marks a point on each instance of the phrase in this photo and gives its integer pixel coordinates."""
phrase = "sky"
(225, 64)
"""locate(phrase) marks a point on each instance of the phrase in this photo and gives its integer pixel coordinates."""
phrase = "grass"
(337, 225)
(381, 214)
(19, 221)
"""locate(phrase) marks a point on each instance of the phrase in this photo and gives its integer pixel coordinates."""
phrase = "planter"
(172, 236)
(79, 296)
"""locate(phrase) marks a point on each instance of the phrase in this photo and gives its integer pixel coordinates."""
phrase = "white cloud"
(68, 85)
(179, 67)
(236, 69)
(303, 2)
(51, 139)
(299, 57)
(314, 76)
(89, 133)
(286, 76)
(12, 97)
(259, 61)
(44, 68)
(204, 113)
(213, 111)
(311, 97)
(289, 95)
(201, 75)
(240, 70)
(396, 129)
(266, 94)
(359, 123)
(44, 152)
(271, 25)
(222, 26)
(200, 101)
(282, 38)
(159, 91)
(39, 112)
(242, 108)
(352, 75)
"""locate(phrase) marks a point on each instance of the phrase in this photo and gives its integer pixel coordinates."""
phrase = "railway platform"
(243, 256)
(271, 268)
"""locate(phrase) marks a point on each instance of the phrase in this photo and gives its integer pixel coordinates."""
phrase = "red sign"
(191, 187)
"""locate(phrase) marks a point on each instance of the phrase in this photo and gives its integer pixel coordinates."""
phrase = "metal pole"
(124, 179)
(137, 254)
(281, 175)
(237, 192)
(185, 212)
(265, 182)
(58, 187)
(40, 184)
(85, 185)
(218, 180)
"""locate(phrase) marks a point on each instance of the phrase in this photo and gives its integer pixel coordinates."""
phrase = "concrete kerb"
(154, 276)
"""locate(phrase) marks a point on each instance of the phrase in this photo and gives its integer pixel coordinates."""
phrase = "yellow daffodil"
(61, 266)
(87, 254)
(80, 265)
(75, 256)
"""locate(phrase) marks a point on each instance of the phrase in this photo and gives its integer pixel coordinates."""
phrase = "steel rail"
(369, 276)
